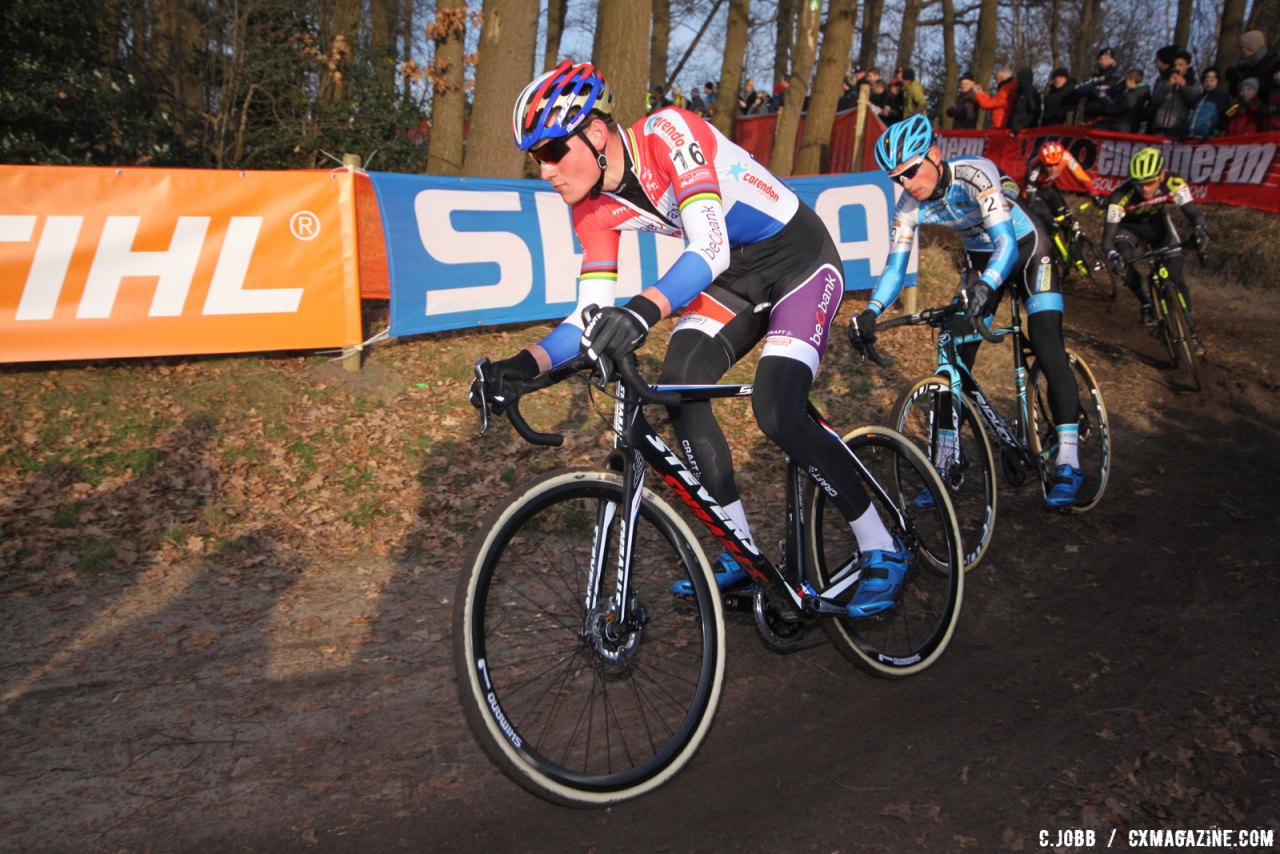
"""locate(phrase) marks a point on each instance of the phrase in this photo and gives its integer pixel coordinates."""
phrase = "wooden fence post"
(352, 356)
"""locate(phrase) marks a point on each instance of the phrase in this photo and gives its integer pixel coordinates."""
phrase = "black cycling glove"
(981, 299)
(504, 380)
(613, 332)
(862, 330)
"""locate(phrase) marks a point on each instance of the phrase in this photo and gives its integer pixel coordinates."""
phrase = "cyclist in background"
(1138, 214)
(1000, 238)
(758, 264)
(1043, 170)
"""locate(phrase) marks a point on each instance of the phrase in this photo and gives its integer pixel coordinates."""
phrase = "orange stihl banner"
(104, 263)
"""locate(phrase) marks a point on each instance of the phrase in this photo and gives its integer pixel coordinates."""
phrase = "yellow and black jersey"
(1127, 203)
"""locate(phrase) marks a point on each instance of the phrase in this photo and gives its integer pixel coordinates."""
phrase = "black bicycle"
(1173, 324)
(1079, 257)
(587, 677)
(949, 415)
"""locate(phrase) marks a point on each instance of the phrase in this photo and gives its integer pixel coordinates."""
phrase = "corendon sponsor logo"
(715, 237)
(667, 128)
(173, 269)
(761, 185)
(829, 285)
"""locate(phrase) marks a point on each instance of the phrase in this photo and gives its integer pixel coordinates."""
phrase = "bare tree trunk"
(949, 60)
(660, 44)
(406, 41)
(1229, 35)
(508, 36)
(344, 36)
(837, 39)
(806, 48)
(1182, 26)
(735, 52)
(448, 102)
(175, 42)
(384, 23)
(1086, 38)
(871, 13)
(907, 36)
(1054, 47)
(984, 48)
(1266, 17)
(555, 28)
(786, 27)
(622, 39)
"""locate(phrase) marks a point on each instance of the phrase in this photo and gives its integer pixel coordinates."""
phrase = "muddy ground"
(1112, 672)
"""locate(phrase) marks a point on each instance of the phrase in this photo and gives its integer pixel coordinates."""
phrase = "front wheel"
(1180, 330)
(1095, 268)
(570, 702)
(1094, 434)
(925, 414)
(915, 632)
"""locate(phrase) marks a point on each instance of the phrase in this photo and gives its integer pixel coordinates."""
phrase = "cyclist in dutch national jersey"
(1001, 239)
(1043, 171)
(1137, 214)
(758, 264)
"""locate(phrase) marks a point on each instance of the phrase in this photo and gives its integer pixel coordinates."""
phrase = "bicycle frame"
(960, 378)
(638, 447)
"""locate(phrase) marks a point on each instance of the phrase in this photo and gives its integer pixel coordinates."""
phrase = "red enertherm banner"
(1235, 170)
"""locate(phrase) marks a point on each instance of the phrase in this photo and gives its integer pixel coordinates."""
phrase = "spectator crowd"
(1174, 100)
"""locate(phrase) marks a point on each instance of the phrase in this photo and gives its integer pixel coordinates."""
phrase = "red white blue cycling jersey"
(698, 185)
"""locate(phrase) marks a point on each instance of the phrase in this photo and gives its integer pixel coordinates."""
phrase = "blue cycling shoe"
(924, 499)
(1067, 481)
(729, 573)
(880, 584)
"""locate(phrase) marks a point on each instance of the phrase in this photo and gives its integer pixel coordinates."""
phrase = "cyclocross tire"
(573, 716)
(914, 633)
(971, 482)
(1180, 331)
(1094, 435)
(1099, 272)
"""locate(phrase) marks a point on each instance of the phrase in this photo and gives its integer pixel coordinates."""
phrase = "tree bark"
(1229, 36)
(837, 39)
(448, 102)
(555, 28)
(907, 36)
(1266, 17)
(735, 51)
(872, 11)
(802, 57)
(949, 60)
(508, 36)
(786, 27)
(660, 45)
(1082, 57)
(984, 47)
(622, 54)
(1182, 26)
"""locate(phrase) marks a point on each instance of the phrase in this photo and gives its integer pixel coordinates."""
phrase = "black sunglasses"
(910, 172)
(553, 151)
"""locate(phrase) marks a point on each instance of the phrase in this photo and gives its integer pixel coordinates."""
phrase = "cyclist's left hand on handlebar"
(503, 381)
(1201, 238)
(862, 330)
(979, 298)
(613, 332)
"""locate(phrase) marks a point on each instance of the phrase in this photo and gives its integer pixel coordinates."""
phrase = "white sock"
(738, 514)
(870, 531)
(1068, 445)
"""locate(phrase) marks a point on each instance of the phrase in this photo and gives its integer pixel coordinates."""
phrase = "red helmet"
(1051, 153)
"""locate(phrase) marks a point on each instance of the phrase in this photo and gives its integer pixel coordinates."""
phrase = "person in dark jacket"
(1106, 83)
(1026, 102)
(964, 113)
(1256, 62)
(1173, 96)
(1058, 98)
(1126, 110)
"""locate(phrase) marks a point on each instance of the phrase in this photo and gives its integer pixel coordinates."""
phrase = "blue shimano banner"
(480, 251)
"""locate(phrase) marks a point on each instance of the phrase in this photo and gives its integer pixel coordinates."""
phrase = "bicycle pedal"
(740, 599)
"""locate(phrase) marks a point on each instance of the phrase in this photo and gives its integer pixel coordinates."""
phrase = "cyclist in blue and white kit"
(1010, 246)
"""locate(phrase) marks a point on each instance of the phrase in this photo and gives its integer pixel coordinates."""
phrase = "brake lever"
(480, 365)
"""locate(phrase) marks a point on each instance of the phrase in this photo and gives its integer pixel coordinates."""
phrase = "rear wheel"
(970, 474)
(1094, 432)
(915, 632)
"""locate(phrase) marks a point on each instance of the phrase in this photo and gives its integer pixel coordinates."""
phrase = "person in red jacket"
(1001, 103)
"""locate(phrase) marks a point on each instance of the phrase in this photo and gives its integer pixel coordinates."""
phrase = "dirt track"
(1112, 671)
